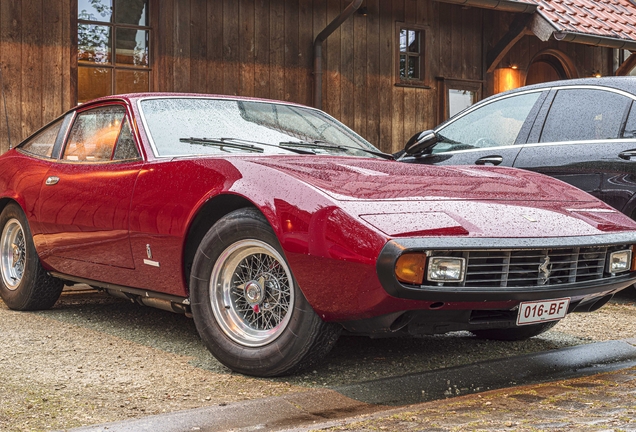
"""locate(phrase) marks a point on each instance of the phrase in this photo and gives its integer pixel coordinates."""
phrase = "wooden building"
(390, 69)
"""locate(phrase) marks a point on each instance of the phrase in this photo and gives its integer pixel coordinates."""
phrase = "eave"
(502, 5)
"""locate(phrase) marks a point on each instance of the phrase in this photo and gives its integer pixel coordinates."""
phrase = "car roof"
(624, 83)
(133, 97)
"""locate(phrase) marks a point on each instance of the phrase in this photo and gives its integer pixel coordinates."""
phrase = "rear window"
(584, 115)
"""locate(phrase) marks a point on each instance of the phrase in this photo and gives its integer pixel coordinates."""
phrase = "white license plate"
(540, 311)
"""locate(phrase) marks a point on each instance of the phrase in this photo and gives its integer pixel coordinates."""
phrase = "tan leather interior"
(97, 147)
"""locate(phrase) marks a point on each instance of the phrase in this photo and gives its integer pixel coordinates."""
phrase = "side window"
(42, 144)
(493, 125)
(94, 134)
(583, 115)
(125, 148)
(630, 125)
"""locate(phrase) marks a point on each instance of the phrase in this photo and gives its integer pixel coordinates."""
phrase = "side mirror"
(420, 142)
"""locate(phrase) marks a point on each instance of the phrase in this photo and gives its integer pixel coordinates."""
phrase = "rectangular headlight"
(619, 261)
(446, 269)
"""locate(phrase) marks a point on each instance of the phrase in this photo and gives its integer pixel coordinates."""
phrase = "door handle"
(627, 155)
(52, 181)
(494, 160)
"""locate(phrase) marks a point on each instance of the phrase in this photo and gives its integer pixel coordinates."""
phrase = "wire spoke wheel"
(13, 254)
(251, 291)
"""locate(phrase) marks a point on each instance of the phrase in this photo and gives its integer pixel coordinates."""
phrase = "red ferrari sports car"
(276, 227)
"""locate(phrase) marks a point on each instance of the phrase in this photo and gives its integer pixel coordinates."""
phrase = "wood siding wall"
(36, 61)
(587, 60)
(264, 48)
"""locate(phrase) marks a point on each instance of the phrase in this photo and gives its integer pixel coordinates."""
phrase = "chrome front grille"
(542, 267)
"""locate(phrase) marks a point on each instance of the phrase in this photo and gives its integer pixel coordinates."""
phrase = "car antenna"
(6, 113)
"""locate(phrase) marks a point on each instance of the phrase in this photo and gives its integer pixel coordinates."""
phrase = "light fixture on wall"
(364, 11)
(596, 74)
(507, 78)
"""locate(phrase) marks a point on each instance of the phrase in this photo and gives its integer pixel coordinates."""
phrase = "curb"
(298, 411)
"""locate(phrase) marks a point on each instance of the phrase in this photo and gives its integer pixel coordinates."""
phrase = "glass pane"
(42, 144)
(170, 120)
(133, 12)
(93, 83)
(492, 125)
(132, 47)
(458, 100)
(129, 81)
(402, 66)
(414, 68)
(414, 41)
(582, 115)
(403, 43)
(95, 10)
(94, 43)
(94, 134)
(126, 148)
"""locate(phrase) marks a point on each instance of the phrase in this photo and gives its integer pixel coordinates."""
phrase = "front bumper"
(393, 249)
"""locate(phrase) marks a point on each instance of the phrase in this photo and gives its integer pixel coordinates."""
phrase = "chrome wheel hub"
(17, 254)
(251, 292)
(254, 292)
(12, 254)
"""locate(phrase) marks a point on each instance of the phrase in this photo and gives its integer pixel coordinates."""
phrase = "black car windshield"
(172, 121)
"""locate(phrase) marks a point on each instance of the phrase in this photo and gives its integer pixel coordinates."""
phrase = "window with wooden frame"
(410, 44)
(113, 54)
(457, 95)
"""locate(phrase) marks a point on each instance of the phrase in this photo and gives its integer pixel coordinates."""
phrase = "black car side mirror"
(420, 142)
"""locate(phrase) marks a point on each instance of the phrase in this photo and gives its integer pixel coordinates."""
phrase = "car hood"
(356, 179)
(402, 200)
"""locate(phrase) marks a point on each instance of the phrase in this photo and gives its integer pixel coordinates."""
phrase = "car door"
(85, 199)
(577, 139)
(27, 171)
(618, 187)
(488, 134)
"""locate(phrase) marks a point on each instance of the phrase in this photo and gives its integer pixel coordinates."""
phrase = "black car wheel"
(24, 284)
(515, 333)
(246, 304)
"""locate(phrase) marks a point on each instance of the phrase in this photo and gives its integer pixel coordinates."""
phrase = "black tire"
(24, 284)
(255, 321)
(515, 333)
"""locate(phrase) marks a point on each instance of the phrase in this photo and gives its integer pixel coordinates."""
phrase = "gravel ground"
(94, 359)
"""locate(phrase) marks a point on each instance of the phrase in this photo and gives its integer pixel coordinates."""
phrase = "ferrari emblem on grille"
(545, 269)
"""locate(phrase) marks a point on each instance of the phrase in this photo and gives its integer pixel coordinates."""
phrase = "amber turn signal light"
(409, 268)
(633, 259)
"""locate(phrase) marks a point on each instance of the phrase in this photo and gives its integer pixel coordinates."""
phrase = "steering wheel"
(484, 142)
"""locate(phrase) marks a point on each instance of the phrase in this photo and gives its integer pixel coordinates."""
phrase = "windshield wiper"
(241, 144)
(222, 142)
(318, 144)
(294, 150)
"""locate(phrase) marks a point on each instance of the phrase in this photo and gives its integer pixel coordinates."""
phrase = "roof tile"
(610, 18)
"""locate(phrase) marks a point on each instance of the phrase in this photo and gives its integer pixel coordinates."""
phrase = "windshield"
(195, 126)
